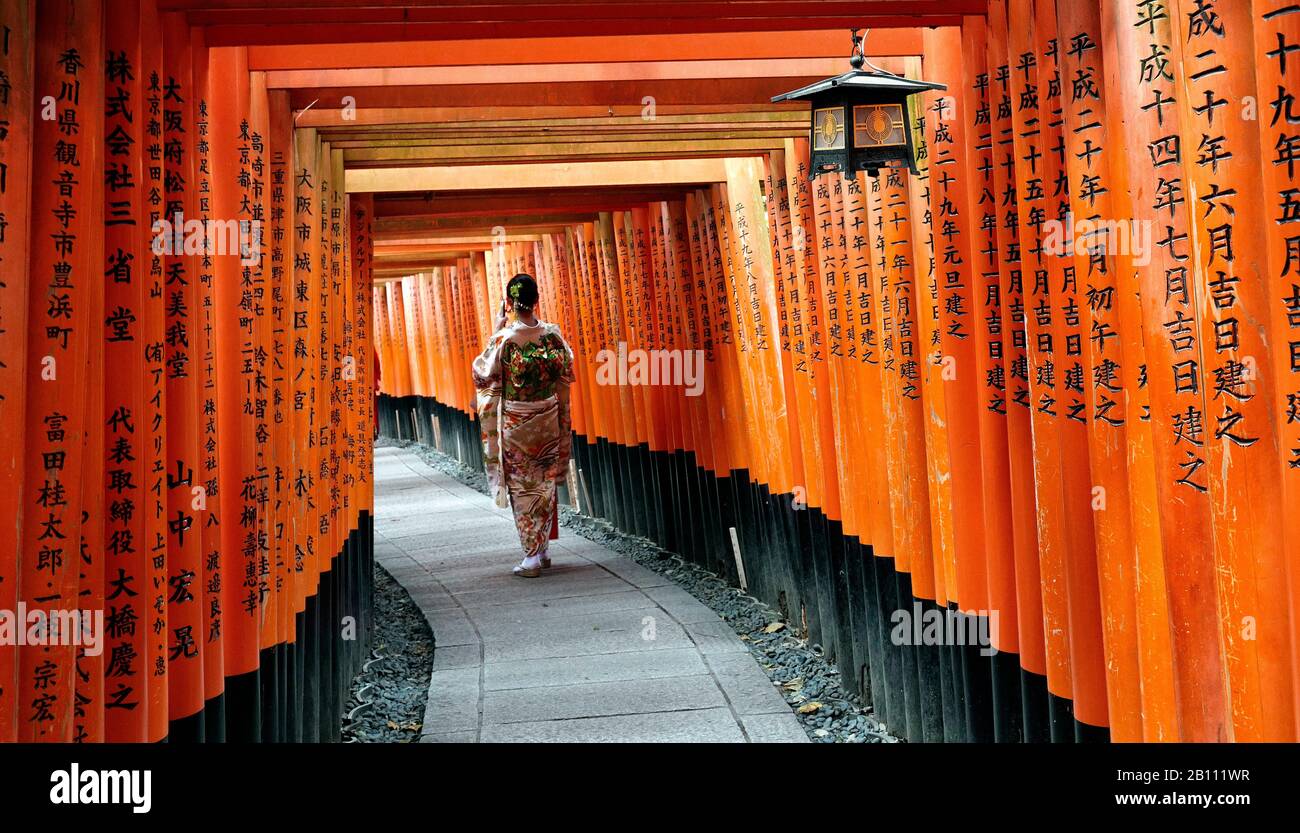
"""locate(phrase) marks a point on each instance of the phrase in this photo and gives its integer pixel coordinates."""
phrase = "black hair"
(522, 291)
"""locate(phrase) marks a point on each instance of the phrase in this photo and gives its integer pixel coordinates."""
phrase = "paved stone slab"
(681, 605)
(774, 728)
(450, 737)
(581, 642)
(563, 671)
(716, 637)
(672, 694)
(519, 626)
(456, 656)
(451, 626)
(453, 701)
(599, 649)
(702, 726)
(748, 689)
(540, 610)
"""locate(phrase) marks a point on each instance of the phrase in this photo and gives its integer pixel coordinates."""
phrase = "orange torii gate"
(175, 369)
(972, 391)
(1043, 394)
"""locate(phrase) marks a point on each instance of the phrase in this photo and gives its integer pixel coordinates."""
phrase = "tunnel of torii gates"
(921, 399)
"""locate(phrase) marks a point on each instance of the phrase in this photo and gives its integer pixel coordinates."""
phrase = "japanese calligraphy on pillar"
(128, 446)
(66, 257)
(1277, 37)
(177, 613)
(279, 365)
(208, 475)
(947, 128)
(1227, 251)
(16, 47)
(1105, 355)
(1140, 79)
(977, 104)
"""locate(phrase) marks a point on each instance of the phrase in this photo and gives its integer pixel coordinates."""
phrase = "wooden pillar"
(1011, 338)
(17, 21)
(241, 546)
(1140, 81)
(208, 516)
(946, 124)
(281, 369)
(362, 209)
(66, 260)
(1214, 63)
(256, 365)
(1277, 56)
(1112, 354)
(787, 260)
(820, 410)
(1033, 184)
(130, 309)
(182, 594)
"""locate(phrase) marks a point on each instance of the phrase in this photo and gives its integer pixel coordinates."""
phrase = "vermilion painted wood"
(234, 337)
(1228, 253)
(750, 440)
(154, 686)
(715, 456)
(826, 237)
(740, 452)
(913, 553)
(818, 393)
(1149, 94)
(362, 211)
(935, 449)
(127, 446)
(259, 360)
(88, 697)
(63, 308)
(1108, 350)
(1031, 624)
(1277, 31)
(1048, 474)
(868, 286)
(680, 272)
(785, 319)
(337, 234)
(685, 46)
(1086, 642)
(258, 34)
(208, 475)
(16, 59)
(186, 619)
(631, 313)
(305, 188)
(958, 279)
(613, 280)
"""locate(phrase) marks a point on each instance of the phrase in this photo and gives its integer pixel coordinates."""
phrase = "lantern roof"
(857, 79)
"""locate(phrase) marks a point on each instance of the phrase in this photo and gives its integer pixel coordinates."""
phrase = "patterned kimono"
(523, 377)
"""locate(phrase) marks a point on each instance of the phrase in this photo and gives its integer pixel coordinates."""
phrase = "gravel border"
(388, 698)
(809, 684)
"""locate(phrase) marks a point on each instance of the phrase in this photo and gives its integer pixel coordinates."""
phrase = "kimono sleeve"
(486, 367)
(486, 370)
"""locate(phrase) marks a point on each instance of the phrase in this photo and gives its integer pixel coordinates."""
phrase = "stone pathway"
(599, 649)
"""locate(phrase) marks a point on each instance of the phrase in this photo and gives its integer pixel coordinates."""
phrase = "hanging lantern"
(859, 119)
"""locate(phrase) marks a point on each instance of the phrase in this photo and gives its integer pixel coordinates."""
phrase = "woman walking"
(523, 377)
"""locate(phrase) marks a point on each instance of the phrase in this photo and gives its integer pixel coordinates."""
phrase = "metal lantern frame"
(860, 120)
